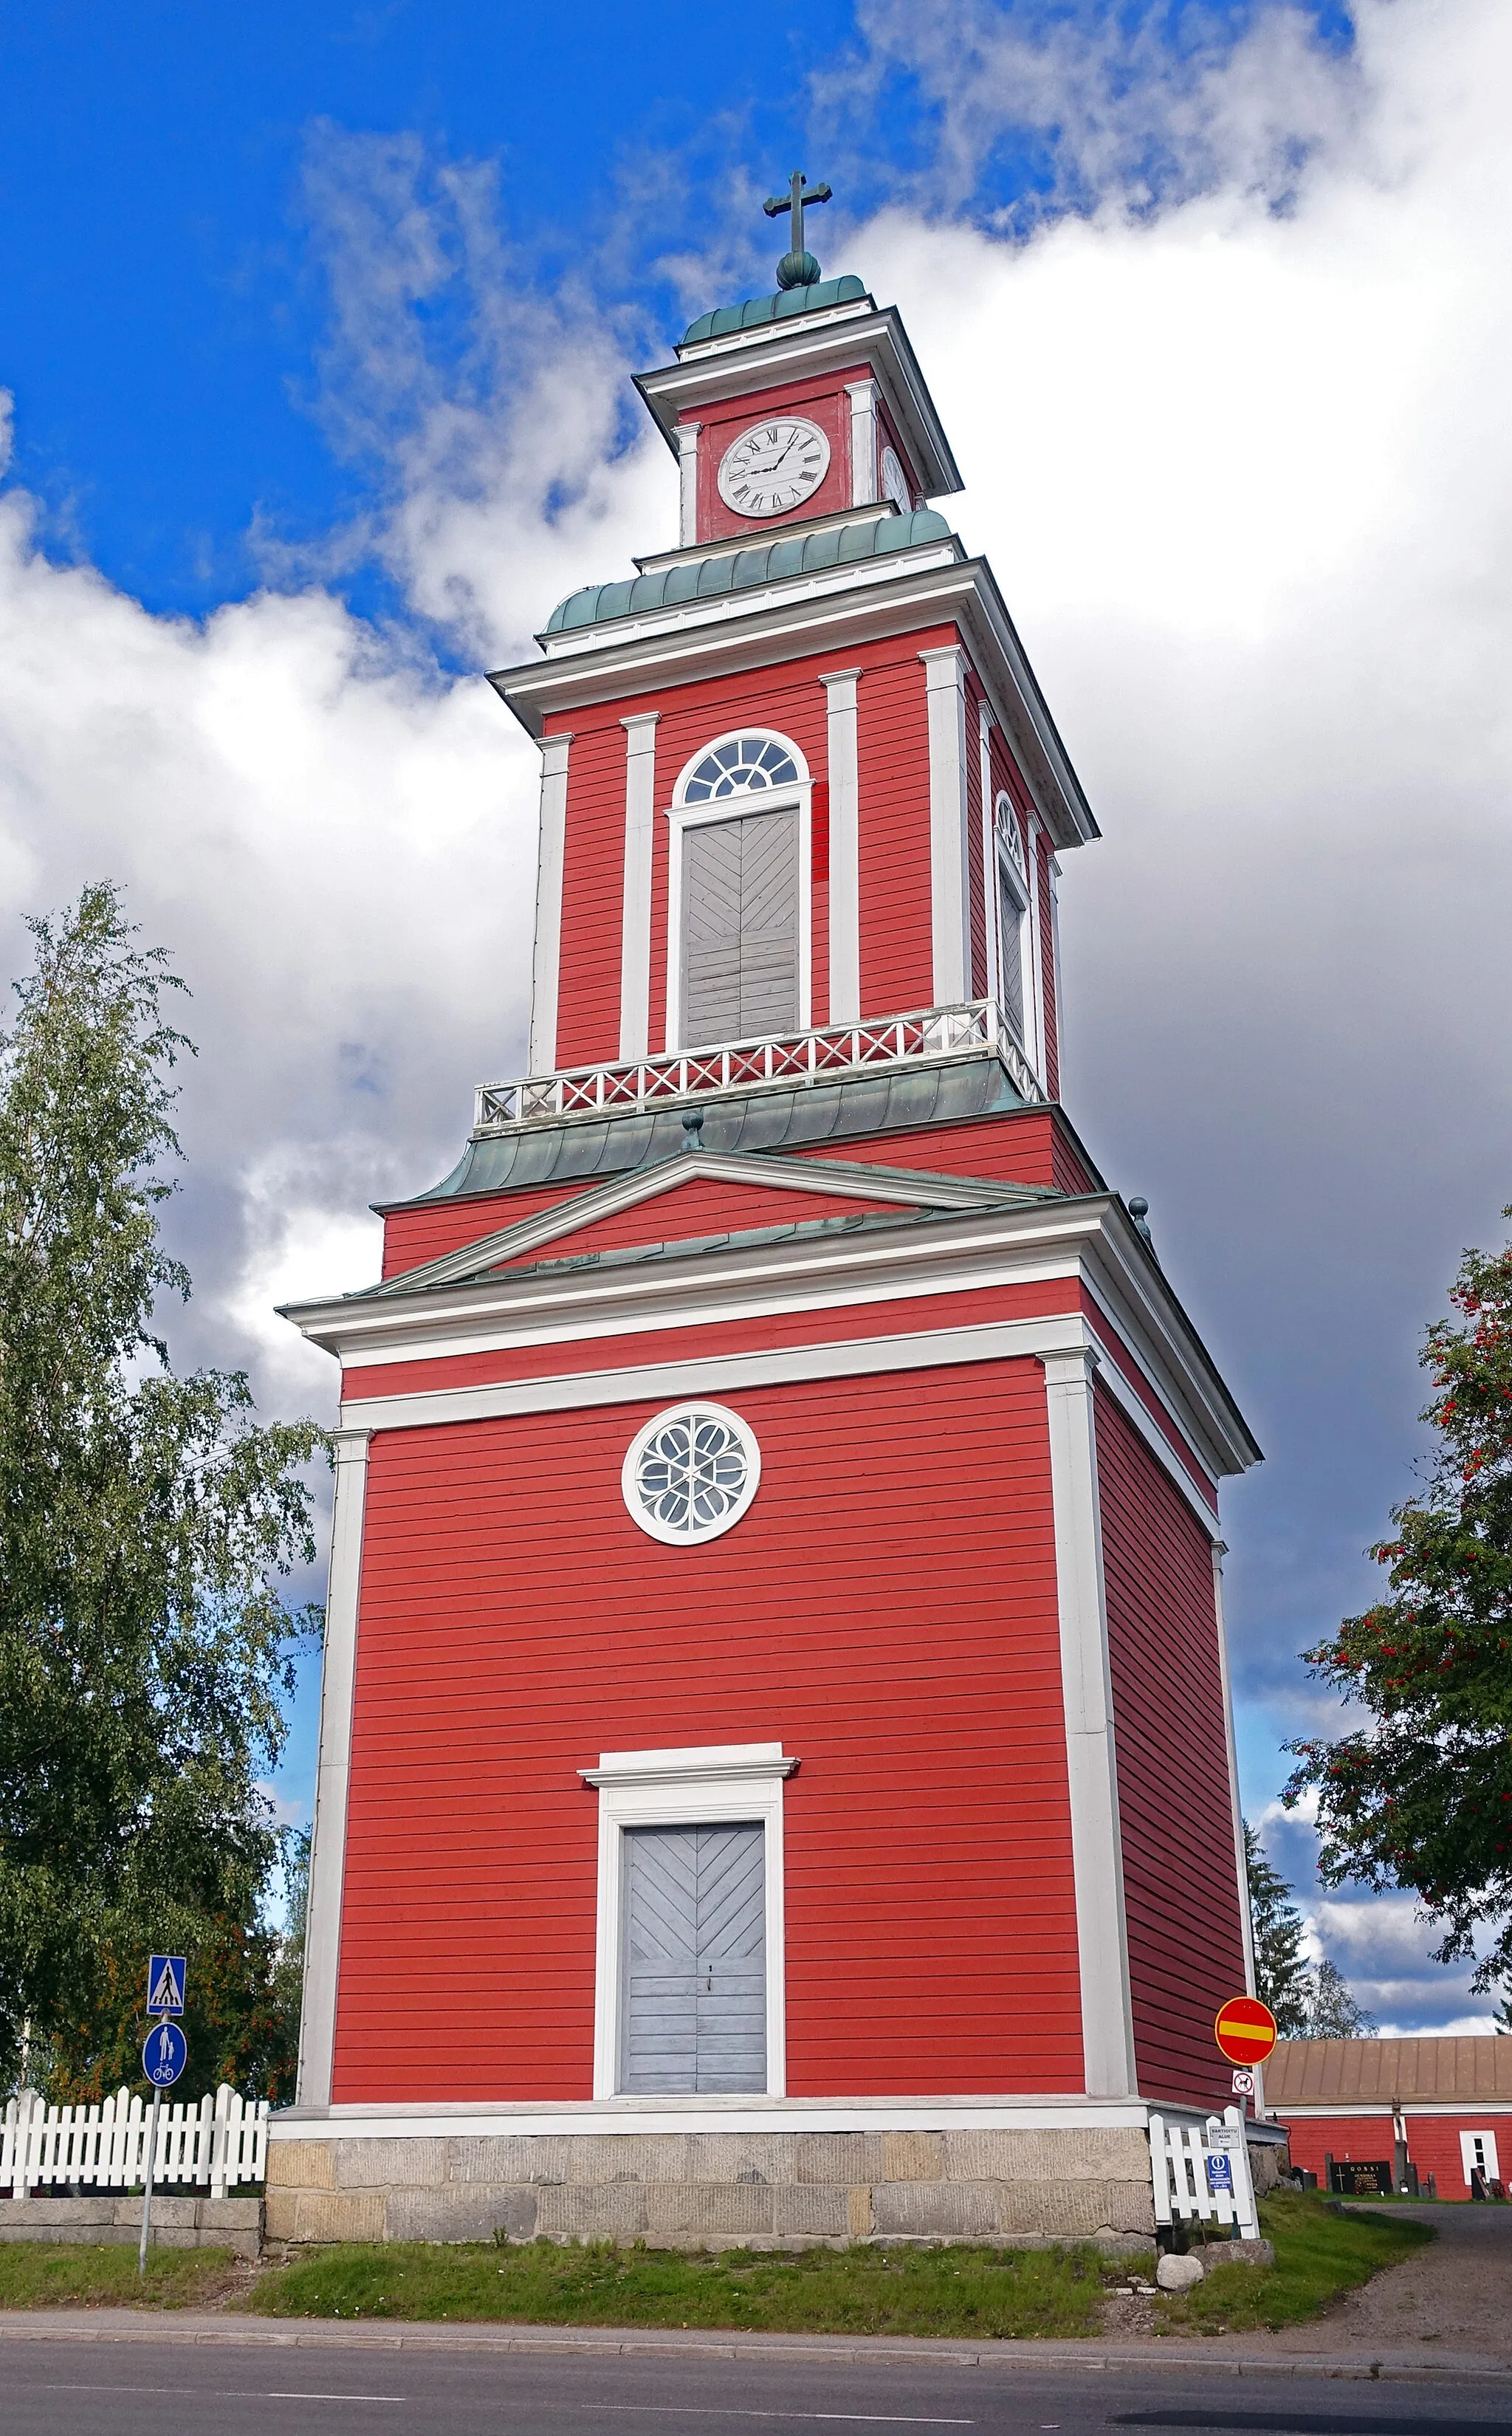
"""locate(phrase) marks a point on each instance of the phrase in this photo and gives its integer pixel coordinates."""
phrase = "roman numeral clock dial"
(773, 466)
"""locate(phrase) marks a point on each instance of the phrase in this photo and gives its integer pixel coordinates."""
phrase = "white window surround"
(702, 1786)
(682, 816)
(1479, 2148)
(747, 1453)
(1009, 868)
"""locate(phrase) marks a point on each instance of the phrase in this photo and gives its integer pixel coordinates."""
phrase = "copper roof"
(1312, 2072)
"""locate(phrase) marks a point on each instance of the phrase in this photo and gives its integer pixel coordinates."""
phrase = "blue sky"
(318, 326)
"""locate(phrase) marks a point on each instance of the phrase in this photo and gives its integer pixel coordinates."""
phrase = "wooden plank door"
(741, 927)
(695, 1994)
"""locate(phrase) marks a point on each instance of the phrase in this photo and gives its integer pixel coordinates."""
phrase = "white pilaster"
(1246, 1924)
(844, 849)
(862, 396)
(949, 893)
(547, 965)
(989, 848)
(635, 937)
(687, 483)
(1097, 1850)
(322, 1932)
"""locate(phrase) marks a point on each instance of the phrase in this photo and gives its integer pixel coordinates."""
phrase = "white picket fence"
(1204, 2173)
(221, 2141)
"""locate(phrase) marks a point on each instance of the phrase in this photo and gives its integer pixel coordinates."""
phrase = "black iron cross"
(794, 200)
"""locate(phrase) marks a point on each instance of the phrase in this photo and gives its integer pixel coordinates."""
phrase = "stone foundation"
(177, 2223)
(724, 2190)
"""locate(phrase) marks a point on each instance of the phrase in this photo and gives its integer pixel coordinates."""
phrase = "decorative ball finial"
(1140, 1213)
(693, 1129)
(798, 267)
(798, 270)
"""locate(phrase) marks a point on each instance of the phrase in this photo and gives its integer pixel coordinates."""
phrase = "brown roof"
(1309, 2072)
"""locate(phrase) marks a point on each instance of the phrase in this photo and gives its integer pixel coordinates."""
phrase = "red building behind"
(774, 1680)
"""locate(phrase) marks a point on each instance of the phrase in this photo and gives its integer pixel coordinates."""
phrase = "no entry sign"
(1246, 2029)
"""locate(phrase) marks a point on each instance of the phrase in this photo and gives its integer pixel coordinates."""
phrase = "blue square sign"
(164, 1983)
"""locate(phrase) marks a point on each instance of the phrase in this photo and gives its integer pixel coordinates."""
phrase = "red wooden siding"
(593, 881)
(821, 398)
(892, 762)
(1048, 974)
(700, 1209)
(883, 1610)
(1433, 2142)
(1185, 1946)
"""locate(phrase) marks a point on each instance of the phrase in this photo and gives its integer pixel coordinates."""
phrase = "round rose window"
(691, 1474)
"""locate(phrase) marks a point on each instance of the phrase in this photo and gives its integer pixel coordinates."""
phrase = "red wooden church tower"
(775, 1774)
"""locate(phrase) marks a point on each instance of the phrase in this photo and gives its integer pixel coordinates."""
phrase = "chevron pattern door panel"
(695, 2002)
(741, 927)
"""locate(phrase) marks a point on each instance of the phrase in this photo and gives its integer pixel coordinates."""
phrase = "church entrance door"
(695, 1996)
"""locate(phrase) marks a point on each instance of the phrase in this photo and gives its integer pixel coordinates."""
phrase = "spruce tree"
(1280, 1968)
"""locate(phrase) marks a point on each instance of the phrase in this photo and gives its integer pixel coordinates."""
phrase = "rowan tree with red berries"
(1421, 1797)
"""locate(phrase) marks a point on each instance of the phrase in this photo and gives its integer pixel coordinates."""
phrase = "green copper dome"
(796, 555)
(757, 309)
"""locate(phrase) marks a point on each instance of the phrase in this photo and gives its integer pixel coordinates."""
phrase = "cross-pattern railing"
(221, 2141)
(777, 1060)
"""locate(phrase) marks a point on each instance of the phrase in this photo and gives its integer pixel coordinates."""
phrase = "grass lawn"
(1319, 2254)
(64, 2274)
(865, 2291)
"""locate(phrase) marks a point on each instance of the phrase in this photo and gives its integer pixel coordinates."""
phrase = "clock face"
(773, 466)
(895, 481)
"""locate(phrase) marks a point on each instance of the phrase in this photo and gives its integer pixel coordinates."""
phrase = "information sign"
(1245, 2030)
(165, 2053)
(164, 1983)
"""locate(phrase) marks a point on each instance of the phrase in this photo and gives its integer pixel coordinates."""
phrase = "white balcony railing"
(779, 1062)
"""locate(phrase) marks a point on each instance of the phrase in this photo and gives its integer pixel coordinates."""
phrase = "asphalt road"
(145, 2389)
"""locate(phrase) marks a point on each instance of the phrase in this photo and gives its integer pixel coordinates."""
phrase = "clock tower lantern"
(776, 1776)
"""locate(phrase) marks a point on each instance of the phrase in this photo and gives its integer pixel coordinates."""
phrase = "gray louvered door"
(741, 927)
(695, 1982)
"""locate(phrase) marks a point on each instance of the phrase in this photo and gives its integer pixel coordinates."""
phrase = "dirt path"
(1454, 2295)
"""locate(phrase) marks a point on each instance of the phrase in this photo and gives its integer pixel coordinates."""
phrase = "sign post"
(165, 2053)
(1245, 2034)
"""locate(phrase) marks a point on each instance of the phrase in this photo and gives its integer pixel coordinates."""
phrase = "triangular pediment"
(699, 1195)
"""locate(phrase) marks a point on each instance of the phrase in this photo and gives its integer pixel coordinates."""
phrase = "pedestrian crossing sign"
(164, 1983)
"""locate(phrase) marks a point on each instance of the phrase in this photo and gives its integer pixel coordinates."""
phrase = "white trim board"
(420, 2120)
(727, 1374)
(739, 632)
(1001, 1247)
(736, 1781)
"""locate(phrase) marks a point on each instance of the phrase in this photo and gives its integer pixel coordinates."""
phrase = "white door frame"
(712, 1785)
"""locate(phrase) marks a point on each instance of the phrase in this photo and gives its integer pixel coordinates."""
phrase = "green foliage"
(1281, 1966)
(144, 1523)
(865, 2291)
(1423, 1796)
(61, 2276)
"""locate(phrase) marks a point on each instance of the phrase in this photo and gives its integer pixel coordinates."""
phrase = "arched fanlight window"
(743, 765)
